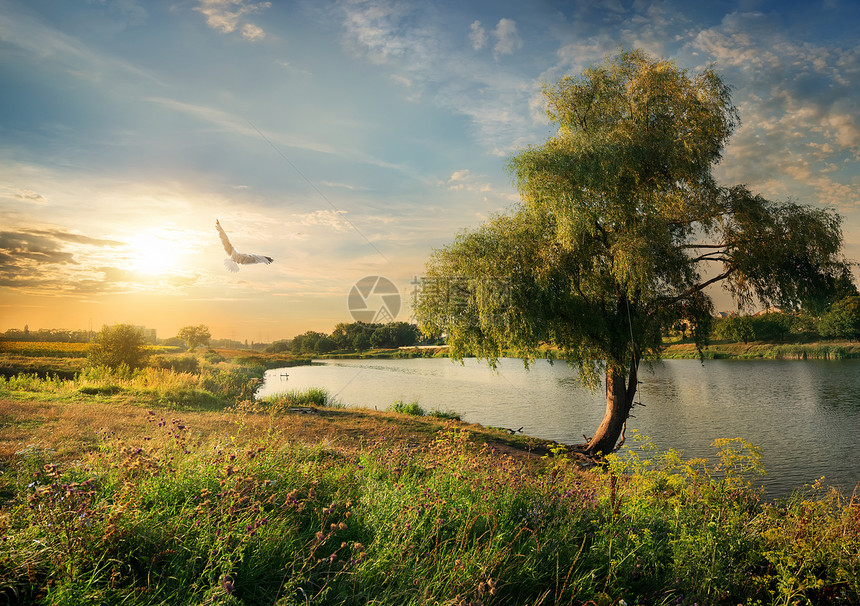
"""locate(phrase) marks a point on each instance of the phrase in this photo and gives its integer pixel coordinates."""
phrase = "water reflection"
(804, 415)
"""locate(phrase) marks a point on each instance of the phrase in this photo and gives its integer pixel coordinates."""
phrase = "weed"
(408, 408)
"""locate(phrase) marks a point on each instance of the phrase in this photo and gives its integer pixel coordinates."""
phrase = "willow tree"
(621, 230)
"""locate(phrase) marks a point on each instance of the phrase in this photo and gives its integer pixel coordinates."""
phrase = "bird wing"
(224, 239)
(236, 258)
(249, 259)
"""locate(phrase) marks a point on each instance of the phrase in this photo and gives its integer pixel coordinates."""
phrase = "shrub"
(119, 345)
(188, 364)
(448, 415)
(408, 408)
(314, 396)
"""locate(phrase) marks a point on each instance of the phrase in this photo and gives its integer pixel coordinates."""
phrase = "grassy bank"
(842, 350)
(129, 497)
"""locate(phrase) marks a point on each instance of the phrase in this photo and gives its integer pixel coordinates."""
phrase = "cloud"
(507, 38)
(52, 262)
(415, 44)
(29, 195)
(44, 43)
(241, 126)
(252, 32)
(799, 104)
(477, 35)
(325, 218)
(226, 16)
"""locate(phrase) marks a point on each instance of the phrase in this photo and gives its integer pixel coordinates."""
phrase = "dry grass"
(72, 428)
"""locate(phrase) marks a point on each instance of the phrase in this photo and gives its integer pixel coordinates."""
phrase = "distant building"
(149, 334)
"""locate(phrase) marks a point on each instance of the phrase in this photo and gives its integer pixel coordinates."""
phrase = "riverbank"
(125, 495)
(827, 350)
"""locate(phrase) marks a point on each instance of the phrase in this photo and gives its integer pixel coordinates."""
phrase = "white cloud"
(416, 46)
(252, 32)
(225, 16)
(507, 38)
(799, 104)
(324, 218)
(477, 35)
(48, 44)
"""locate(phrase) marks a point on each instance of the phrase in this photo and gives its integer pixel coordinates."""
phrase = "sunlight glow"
(156, 253)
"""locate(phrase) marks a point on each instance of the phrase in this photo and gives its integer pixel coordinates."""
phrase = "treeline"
(47, 335)
(355, 336)
(840, 321)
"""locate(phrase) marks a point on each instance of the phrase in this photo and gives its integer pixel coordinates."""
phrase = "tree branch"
(697, 288)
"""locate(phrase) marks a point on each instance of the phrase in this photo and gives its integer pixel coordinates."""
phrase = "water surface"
(804, 415)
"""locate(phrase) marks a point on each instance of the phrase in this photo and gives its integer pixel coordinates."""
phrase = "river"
(804, 415)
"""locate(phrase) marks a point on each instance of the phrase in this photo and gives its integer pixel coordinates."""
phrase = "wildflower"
(227, 584)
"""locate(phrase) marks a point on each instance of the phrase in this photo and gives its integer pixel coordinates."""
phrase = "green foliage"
(313, 396)
(213, 357)
(621, 230)
(842, 320)
(254, 520)
(194, 336)
(177, 363)
(773, 326)
(448, 415)
(118, 345)
(738, 329)
(408, 408)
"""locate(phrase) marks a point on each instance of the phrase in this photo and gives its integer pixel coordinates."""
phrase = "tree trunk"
(619, 400)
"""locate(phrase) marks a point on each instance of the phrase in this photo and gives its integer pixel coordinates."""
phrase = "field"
(164, 487)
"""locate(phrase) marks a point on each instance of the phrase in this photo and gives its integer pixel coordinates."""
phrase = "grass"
(127, 497)
(764, 350)
(416, 410)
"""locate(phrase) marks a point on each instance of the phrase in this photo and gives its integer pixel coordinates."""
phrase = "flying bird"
(236, 258)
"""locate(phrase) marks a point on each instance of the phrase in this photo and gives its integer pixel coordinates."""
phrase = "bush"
(119, 345)
(213, 357)
(448, 415)
(313, 396)
(189, 364)
(735, 329)
(410, 408)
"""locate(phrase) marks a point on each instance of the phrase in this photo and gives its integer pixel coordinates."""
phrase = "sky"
(347, 139)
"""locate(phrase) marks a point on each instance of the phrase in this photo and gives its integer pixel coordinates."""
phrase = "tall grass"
(283, 401)
(254, 519)
(212, 386)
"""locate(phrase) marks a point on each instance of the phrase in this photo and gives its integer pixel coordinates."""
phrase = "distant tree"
(175, 342)
(737, 329)
(621, 231)
(345, 334)
(118, 345)
(772, 326)
(361, 342)
(195, 336)
(828, 290)
(842, 320)
(278, 346)
(308, 342)
(324, 345)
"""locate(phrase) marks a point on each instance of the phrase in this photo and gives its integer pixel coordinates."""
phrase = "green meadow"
(163, 486)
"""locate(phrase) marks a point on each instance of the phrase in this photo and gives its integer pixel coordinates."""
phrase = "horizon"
(347, 140)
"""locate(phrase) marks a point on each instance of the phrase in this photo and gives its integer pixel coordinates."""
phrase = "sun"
(155, 253)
